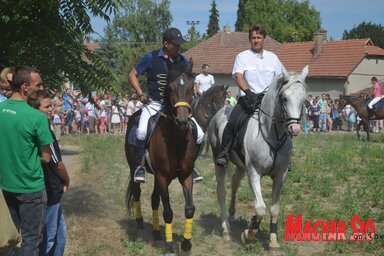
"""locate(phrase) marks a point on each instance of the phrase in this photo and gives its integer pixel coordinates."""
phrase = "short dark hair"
(374, 79)
(258, 29)
(204, 66)
(35, 103)
(21, 76)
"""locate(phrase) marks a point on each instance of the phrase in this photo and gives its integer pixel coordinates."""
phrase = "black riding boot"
(195, 174)
(139, 176)
(222, 157)
(371, 113)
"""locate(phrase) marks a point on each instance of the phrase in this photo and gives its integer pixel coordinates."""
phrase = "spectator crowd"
(322, 114)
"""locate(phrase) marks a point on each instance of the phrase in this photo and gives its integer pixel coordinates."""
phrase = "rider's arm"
(132, 77)
(240, 81)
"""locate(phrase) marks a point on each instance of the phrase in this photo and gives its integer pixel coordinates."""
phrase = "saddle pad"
(132, 136)
(379, 105)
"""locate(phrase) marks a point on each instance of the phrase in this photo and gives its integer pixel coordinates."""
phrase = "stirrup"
(196, 176)
(139, 176)
(222, 160)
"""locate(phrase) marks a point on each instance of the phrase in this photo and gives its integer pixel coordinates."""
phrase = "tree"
(136, 29)
(284, 20)
(367, 30)
(213, 24)
(239, 25)
(49, 35)
(192, 34)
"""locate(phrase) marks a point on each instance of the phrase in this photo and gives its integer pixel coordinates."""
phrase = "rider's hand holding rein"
(144, 98)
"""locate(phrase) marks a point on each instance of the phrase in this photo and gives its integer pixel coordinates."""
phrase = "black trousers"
(230, 128)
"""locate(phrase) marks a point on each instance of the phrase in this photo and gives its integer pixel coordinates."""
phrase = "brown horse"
(171, 155)
(361, 106)
(208, 105)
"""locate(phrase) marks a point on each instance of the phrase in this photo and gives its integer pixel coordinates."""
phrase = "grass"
(334, 177)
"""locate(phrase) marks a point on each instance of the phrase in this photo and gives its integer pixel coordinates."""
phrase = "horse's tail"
(129, 199)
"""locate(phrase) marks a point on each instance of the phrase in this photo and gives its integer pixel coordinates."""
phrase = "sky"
(336, 15)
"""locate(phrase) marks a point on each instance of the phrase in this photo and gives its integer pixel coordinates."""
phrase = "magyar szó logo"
(329, 230)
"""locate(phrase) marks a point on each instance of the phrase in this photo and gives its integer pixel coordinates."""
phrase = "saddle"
(240, 129)
(152, 123)
(379, 106)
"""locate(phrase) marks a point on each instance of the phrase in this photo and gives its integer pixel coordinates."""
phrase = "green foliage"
(213, 24)
(193, 34)
(284, 20)
(136, 29)
(239, 25)
(49, 35)
(367, 30)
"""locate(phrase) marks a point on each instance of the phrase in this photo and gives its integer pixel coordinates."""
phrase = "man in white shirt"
(203, 81)
(253, 71)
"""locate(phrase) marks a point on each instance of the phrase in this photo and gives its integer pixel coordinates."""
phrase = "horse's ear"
(304, 73)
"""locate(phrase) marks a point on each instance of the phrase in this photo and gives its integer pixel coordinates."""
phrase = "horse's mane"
(211, 92)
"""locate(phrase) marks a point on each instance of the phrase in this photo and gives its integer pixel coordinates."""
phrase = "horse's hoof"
(226, 236)
(244, 239)
(184, 253)
(273, 244)
(169, 249)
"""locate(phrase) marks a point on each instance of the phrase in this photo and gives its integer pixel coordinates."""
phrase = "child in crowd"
(86, 122)
(78, 119)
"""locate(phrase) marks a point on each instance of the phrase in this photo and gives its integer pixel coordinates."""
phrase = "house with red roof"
(335, 67)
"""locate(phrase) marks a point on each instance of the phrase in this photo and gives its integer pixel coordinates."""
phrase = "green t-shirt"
(23, 130)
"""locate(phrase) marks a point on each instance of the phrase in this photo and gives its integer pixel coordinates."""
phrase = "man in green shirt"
(25, 139)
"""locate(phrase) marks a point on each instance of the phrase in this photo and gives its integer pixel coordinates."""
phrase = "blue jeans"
(323, 122)
(27, 211)
(54, 232)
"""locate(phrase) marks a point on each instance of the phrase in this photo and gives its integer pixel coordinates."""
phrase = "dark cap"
(173, 35)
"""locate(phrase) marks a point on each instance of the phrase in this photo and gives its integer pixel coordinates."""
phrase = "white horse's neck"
(270, 110)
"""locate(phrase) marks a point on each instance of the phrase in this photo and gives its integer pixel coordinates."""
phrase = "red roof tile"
(92, 46)
(220, 50)
(337, 58)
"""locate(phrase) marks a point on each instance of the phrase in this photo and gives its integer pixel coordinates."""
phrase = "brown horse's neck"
(201, 117)
(357, 103)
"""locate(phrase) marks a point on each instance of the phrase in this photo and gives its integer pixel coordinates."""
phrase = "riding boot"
(222, 157)
(139, 176)
(371, 113)
(195, 174)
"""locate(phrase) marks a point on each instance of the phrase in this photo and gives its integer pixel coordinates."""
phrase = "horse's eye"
(284, 99)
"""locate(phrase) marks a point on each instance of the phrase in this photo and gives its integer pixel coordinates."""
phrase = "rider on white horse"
(254, 70)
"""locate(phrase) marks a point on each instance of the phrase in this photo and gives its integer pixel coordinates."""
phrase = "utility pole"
(192, 29)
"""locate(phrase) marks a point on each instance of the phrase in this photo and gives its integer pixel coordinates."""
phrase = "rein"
(282, 119)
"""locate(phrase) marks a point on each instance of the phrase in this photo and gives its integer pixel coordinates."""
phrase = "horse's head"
(292, 96)
(214, 99)
(180, 91)
(342, 102)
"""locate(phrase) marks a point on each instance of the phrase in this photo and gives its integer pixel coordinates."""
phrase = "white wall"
(360, 78)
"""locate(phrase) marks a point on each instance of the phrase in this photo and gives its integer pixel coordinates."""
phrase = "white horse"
(266, 149)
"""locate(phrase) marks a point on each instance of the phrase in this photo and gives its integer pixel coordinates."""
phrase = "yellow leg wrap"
(155, 220)
(188, 228)
(168, 232)
(138, 214)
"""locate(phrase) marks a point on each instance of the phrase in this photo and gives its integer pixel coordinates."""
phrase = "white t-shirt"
(204, 81)
(258, 69)
(91, 109)
(130, 108)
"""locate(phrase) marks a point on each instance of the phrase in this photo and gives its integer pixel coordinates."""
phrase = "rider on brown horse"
(155, 65)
